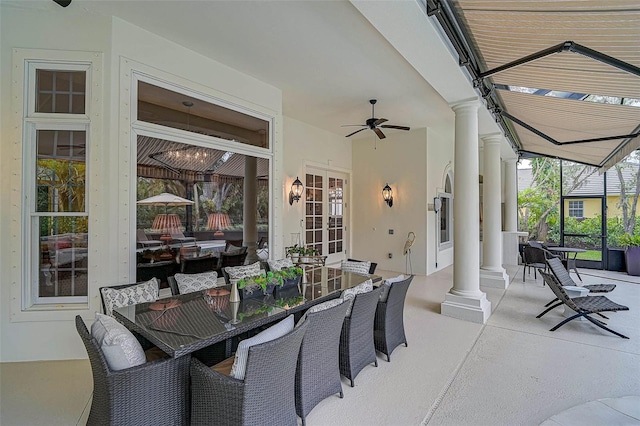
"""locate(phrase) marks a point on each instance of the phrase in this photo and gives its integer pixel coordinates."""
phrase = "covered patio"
(451, 71)
(511, 370)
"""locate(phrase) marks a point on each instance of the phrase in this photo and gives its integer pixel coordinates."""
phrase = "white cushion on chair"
(237, 272)
(120, 348)
(190, 283)
(277, 265)
(356, 267)
(350, 294)
(140, 293)
(242, 353)
(384, 294)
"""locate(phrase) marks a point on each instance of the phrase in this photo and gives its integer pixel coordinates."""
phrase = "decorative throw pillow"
(237, 272)
(384, 294)
(121, 350)
(140, 293)
(242, 353)
(232, 249)
(189, 283)
(356, 267)
(350, 294)
(277, 265)
(321, 307)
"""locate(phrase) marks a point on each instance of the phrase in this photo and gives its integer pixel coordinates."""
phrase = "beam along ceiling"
(545, 100)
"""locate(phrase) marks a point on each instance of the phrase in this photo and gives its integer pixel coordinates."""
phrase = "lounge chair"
(179, 237)
(583, 306)
(144, 241)
(562, 276)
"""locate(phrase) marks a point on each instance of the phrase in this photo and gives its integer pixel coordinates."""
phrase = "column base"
(474, 309)
(494, 278)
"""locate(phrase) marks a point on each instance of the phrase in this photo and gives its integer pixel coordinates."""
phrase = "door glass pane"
(314, 237)
(335, 214)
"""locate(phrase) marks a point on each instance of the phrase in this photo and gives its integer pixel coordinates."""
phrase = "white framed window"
(576, 208)
(56, 141)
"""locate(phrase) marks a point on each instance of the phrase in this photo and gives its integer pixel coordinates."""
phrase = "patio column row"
(492, 274)
(465, 300)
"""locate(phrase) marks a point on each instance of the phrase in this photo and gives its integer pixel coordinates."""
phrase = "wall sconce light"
(387, 195)
(296, 191)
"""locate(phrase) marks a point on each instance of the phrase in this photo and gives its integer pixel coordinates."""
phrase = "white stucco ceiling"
(328, 57)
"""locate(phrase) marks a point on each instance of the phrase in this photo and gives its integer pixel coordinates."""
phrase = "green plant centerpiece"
(265, 282)
(631, 243)
(291, 277)
(292, 272)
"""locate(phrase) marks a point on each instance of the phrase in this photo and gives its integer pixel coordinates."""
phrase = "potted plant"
(631, 243)
(291, 277)
(259, 285)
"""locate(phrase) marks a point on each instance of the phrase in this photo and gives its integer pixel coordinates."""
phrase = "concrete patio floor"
(512, 370)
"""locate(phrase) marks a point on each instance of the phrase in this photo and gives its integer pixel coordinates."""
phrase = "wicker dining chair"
(154, 393)
(266, 396)
(318, 375)
(357, 349)
(582, 306)
(372, 267)
(388, 330)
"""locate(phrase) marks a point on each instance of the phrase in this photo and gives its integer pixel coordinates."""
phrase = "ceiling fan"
(375, 124)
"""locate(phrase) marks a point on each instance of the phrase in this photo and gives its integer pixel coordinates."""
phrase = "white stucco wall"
(51, 334)
(440, 146)
(306, 145)
(401, 161)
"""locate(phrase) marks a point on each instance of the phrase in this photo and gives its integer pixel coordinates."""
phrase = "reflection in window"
(212, 179)
(445, 213)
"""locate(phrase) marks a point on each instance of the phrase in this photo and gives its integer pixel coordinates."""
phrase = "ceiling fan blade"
(353, 125)
(357, 131)
(379, 121)
(379, 133)
(389, 126)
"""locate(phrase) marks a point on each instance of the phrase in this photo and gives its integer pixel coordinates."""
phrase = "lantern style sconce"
(296, 191)
(387, 195)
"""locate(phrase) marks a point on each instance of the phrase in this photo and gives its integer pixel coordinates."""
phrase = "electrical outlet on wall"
(390, 255)
(390, 231)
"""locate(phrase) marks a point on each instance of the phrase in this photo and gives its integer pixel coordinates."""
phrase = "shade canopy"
(165, 199)
(543, 63)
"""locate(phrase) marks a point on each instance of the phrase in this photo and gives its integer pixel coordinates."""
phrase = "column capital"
(465, 104)
(510, 160)
(492, 138)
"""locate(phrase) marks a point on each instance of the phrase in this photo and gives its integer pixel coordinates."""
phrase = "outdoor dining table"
(569, 262)
(185, 323)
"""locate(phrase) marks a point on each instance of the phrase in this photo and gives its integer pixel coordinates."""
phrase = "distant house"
(583, 202)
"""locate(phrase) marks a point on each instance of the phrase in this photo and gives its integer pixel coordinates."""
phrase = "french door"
(326, 213)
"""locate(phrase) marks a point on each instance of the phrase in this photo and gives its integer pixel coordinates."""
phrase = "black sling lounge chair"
(562, 276)
(583, 306)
